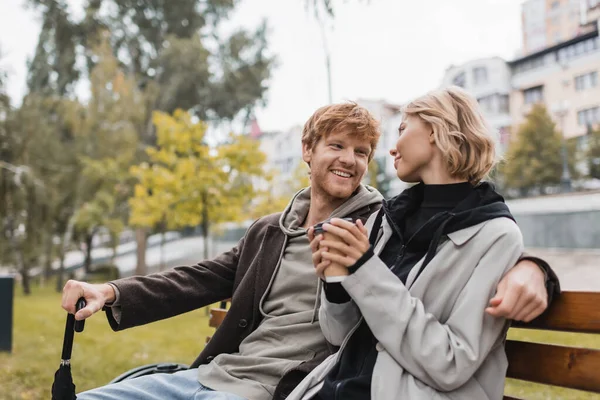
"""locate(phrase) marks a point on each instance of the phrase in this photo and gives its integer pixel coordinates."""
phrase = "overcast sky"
(380, 49)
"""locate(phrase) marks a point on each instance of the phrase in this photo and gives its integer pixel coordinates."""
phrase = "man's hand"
(521, 294)
(95, 296)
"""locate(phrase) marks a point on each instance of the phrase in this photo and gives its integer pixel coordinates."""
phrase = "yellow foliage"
(190, 183)
(268, 203)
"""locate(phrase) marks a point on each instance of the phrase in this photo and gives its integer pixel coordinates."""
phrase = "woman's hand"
(353, 245)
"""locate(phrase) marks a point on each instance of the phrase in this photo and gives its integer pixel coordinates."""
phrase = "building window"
(533, 95)
(459, 80)
(530, 65)
(578, 49)
(583, 142)
(503, 106)
(486, 103)
(480, 75)
(586, 81)
(589, 116)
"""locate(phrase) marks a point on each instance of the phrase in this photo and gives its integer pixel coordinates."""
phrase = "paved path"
(576, 269)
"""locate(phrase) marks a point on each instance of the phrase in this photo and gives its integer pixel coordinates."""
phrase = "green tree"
(106, 132)
(533, 159)
(28, 153)
(189, 183)
(53, 68)
(593, 153)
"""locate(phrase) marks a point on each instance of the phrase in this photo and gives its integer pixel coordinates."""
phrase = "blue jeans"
(181, 385)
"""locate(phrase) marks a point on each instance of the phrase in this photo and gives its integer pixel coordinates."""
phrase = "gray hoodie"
(289, 333)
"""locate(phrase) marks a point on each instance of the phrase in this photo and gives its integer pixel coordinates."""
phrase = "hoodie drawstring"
(315, 315)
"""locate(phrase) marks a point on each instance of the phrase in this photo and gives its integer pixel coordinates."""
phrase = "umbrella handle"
(79, 325)
(70, 328)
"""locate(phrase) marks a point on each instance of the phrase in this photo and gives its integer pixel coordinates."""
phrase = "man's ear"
(306, 153)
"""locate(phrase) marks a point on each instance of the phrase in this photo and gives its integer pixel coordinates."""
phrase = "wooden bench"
(569, 367)
(217, 315)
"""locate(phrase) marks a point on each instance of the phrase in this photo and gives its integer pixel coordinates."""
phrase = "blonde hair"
(460, 131)
(343, 117)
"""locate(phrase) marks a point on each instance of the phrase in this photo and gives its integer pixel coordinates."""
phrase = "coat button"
(243, 323)
(379, 347)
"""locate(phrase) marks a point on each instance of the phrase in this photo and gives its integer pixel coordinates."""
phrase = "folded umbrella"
(63, 387)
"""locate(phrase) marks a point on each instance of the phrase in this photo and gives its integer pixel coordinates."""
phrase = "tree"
(533, 159)
(269, 201)
(593, 153)
(108, 142)
(53, 69)
(179, 53)
(27, 147)
(189, 183)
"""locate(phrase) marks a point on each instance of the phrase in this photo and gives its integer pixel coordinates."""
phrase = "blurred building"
(488, 79)
(564, 77)
(549, 22)
(284, 153)
(389, 117)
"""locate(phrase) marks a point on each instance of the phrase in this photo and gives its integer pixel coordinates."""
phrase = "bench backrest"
(569, 367)
(217, 315)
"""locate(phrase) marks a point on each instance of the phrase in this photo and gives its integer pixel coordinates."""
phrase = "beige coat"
(435, 340)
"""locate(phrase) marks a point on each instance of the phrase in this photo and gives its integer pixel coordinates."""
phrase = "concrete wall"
(570, 221)
(569, 230)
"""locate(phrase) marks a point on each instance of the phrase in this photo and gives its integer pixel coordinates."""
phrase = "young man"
(270, 338)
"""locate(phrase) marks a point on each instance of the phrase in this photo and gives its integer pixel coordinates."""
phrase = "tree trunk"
(87, 263)
(161, 266)
(205, 224)
(61, 271)
(141, 238)
(64, 245)
(25, 280)
(48, 256)
(47, 237)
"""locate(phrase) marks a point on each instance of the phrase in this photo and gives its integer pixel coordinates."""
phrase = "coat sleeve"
(337, 319)
(339, 314)
(145, 299)
(442, 355)
(552, 282)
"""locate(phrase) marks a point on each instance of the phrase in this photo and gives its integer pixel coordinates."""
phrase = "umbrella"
(63, 387)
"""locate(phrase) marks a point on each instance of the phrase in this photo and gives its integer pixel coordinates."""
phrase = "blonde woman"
(409, 313)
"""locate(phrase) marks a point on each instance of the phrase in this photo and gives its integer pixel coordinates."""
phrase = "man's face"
(338, 163)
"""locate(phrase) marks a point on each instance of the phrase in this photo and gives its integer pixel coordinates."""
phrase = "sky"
(392, 50)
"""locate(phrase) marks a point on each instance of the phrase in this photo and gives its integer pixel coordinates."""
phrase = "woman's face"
(415, 149)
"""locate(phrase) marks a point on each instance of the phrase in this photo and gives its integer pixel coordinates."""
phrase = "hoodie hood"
(481, 205)
(296, 211)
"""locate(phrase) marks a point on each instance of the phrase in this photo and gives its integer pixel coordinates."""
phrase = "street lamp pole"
(565, 179)
(563, 109)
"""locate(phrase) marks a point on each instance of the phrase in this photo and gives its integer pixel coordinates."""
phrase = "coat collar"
(462, 236)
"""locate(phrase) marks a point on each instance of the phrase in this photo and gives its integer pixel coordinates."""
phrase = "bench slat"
(571, 312)
(571, 367)
(217, 315)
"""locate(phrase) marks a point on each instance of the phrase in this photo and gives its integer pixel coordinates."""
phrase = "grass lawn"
(100, 355)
